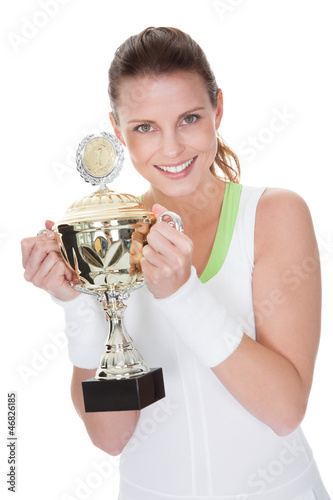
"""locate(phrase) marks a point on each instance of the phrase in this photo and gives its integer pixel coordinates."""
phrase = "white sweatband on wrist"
(86, 330)
(201, 322)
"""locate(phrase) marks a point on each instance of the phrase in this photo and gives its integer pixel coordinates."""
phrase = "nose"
(171, 145)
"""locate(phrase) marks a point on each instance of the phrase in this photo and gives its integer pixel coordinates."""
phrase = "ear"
(219, 109)
(116, 129)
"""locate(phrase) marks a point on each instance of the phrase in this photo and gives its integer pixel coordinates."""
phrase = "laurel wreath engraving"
(104, 256)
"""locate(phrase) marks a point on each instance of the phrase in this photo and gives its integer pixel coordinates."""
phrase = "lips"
(176, 169)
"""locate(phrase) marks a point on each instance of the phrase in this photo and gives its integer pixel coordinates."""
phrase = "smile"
(176, 169)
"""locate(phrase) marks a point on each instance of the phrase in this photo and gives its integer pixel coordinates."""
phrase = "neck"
(194, 209)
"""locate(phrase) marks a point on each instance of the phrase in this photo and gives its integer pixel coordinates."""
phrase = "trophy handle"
(175, 221)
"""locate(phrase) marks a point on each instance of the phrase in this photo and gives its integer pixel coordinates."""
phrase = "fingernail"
(50, 234)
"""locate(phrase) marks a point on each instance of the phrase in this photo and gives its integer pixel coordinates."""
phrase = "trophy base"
(126, 394)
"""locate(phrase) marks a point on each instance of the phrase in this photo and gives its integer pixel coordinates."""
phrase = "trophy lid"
(104, 205)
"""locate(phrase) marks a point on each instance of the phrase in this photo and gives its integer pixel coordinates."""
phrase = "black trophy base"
(119, 395)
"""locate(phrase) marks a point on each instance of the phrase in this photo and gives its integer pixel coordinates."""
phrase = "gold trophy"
(101, 238)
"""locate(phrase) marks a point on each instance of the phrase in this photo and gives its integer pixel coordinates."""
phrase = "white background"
(268, 57)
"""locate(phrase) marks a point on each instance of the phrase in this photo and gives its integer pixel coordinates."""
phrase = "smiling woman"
(237, 380)
(177, 52)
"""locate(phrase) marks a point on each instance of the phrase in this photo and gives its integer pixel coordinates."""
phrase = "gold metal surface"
(99, 157)
(101, 239)
(121, 359)
(102, 204)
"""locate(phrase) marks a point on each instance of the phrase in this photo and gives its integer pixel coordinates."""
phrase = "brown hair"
(157, 51)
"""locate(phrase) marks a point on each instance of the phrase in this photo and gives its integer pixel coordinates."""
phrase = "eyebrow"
(137, 120)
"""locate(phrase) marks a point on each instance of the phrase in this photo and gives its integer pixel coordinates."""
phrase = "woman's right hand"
(44, 266)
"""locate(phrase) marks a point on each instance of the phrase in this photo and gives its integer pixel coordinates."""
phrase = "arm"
(109, 431)
(45, 268)
(271, 377)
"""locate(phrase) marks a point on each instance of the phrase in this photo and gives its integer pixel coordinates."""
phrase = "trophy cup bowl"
(101, 238)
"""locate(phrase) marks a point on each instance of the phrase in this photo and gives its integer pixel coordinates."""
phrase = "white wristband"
(201, 322)
(86, 330)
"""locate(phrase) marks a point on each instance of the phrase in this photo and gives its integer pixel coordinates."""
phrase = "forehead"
(150, 94)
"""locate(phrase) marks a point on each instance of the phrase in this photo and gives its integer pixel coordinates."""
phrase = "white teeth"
(177, 169)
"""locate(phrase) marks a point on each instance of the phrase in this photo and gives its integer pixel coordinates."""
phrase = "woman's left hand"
(167, 258)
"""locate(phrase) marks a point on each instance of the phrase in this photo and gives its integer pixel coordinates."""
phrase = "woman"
(231, 310)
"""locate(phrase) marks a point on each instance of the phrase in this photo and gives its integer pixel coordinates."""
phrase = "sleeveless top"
(199, 442)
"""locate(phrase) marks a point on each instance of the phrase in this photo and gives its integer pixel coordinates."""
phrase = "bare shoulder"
(283, 220)
(282, 205)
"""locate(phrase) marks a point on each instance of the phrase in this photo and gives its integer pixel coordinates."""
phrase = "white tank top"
(199, 442)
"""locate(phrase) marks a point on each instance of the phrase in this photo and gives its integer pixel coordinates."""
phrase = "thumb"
(158, 209)
(49, 224)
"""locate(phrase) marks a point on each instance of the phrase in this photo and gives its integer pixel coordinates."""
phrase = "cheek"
(205, 139)
(138, 149)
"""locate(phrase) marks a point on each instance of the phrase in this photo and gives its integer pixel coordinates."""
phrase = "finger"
(146, 265)
(163, 253)
(177, 239)
(156, 274)
(153, 257)
(55, 280)
(56, 257)
(167, 230)
(158, 209)
(167, 258)
(27, 244)
(45, 268)
(160, 244)
(49, 224)
(153, 274)
(39, 251)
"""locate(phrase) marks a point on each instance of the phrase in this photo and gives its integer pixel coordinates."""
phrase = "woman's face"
(169, 126)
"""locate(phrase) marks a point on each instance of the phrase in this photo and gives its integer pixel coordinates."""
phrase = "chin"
(179, 192)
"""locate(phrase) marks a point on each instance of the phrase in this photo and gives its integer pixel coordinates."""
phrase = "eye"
(190, 119)
(145, 127)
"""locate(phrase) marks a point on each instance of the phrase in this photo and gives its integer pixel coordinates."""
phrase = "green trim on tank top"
(225, 230)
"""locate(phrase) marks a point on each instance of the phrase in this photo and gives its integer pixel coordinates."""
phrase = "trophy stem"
(121, 359)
